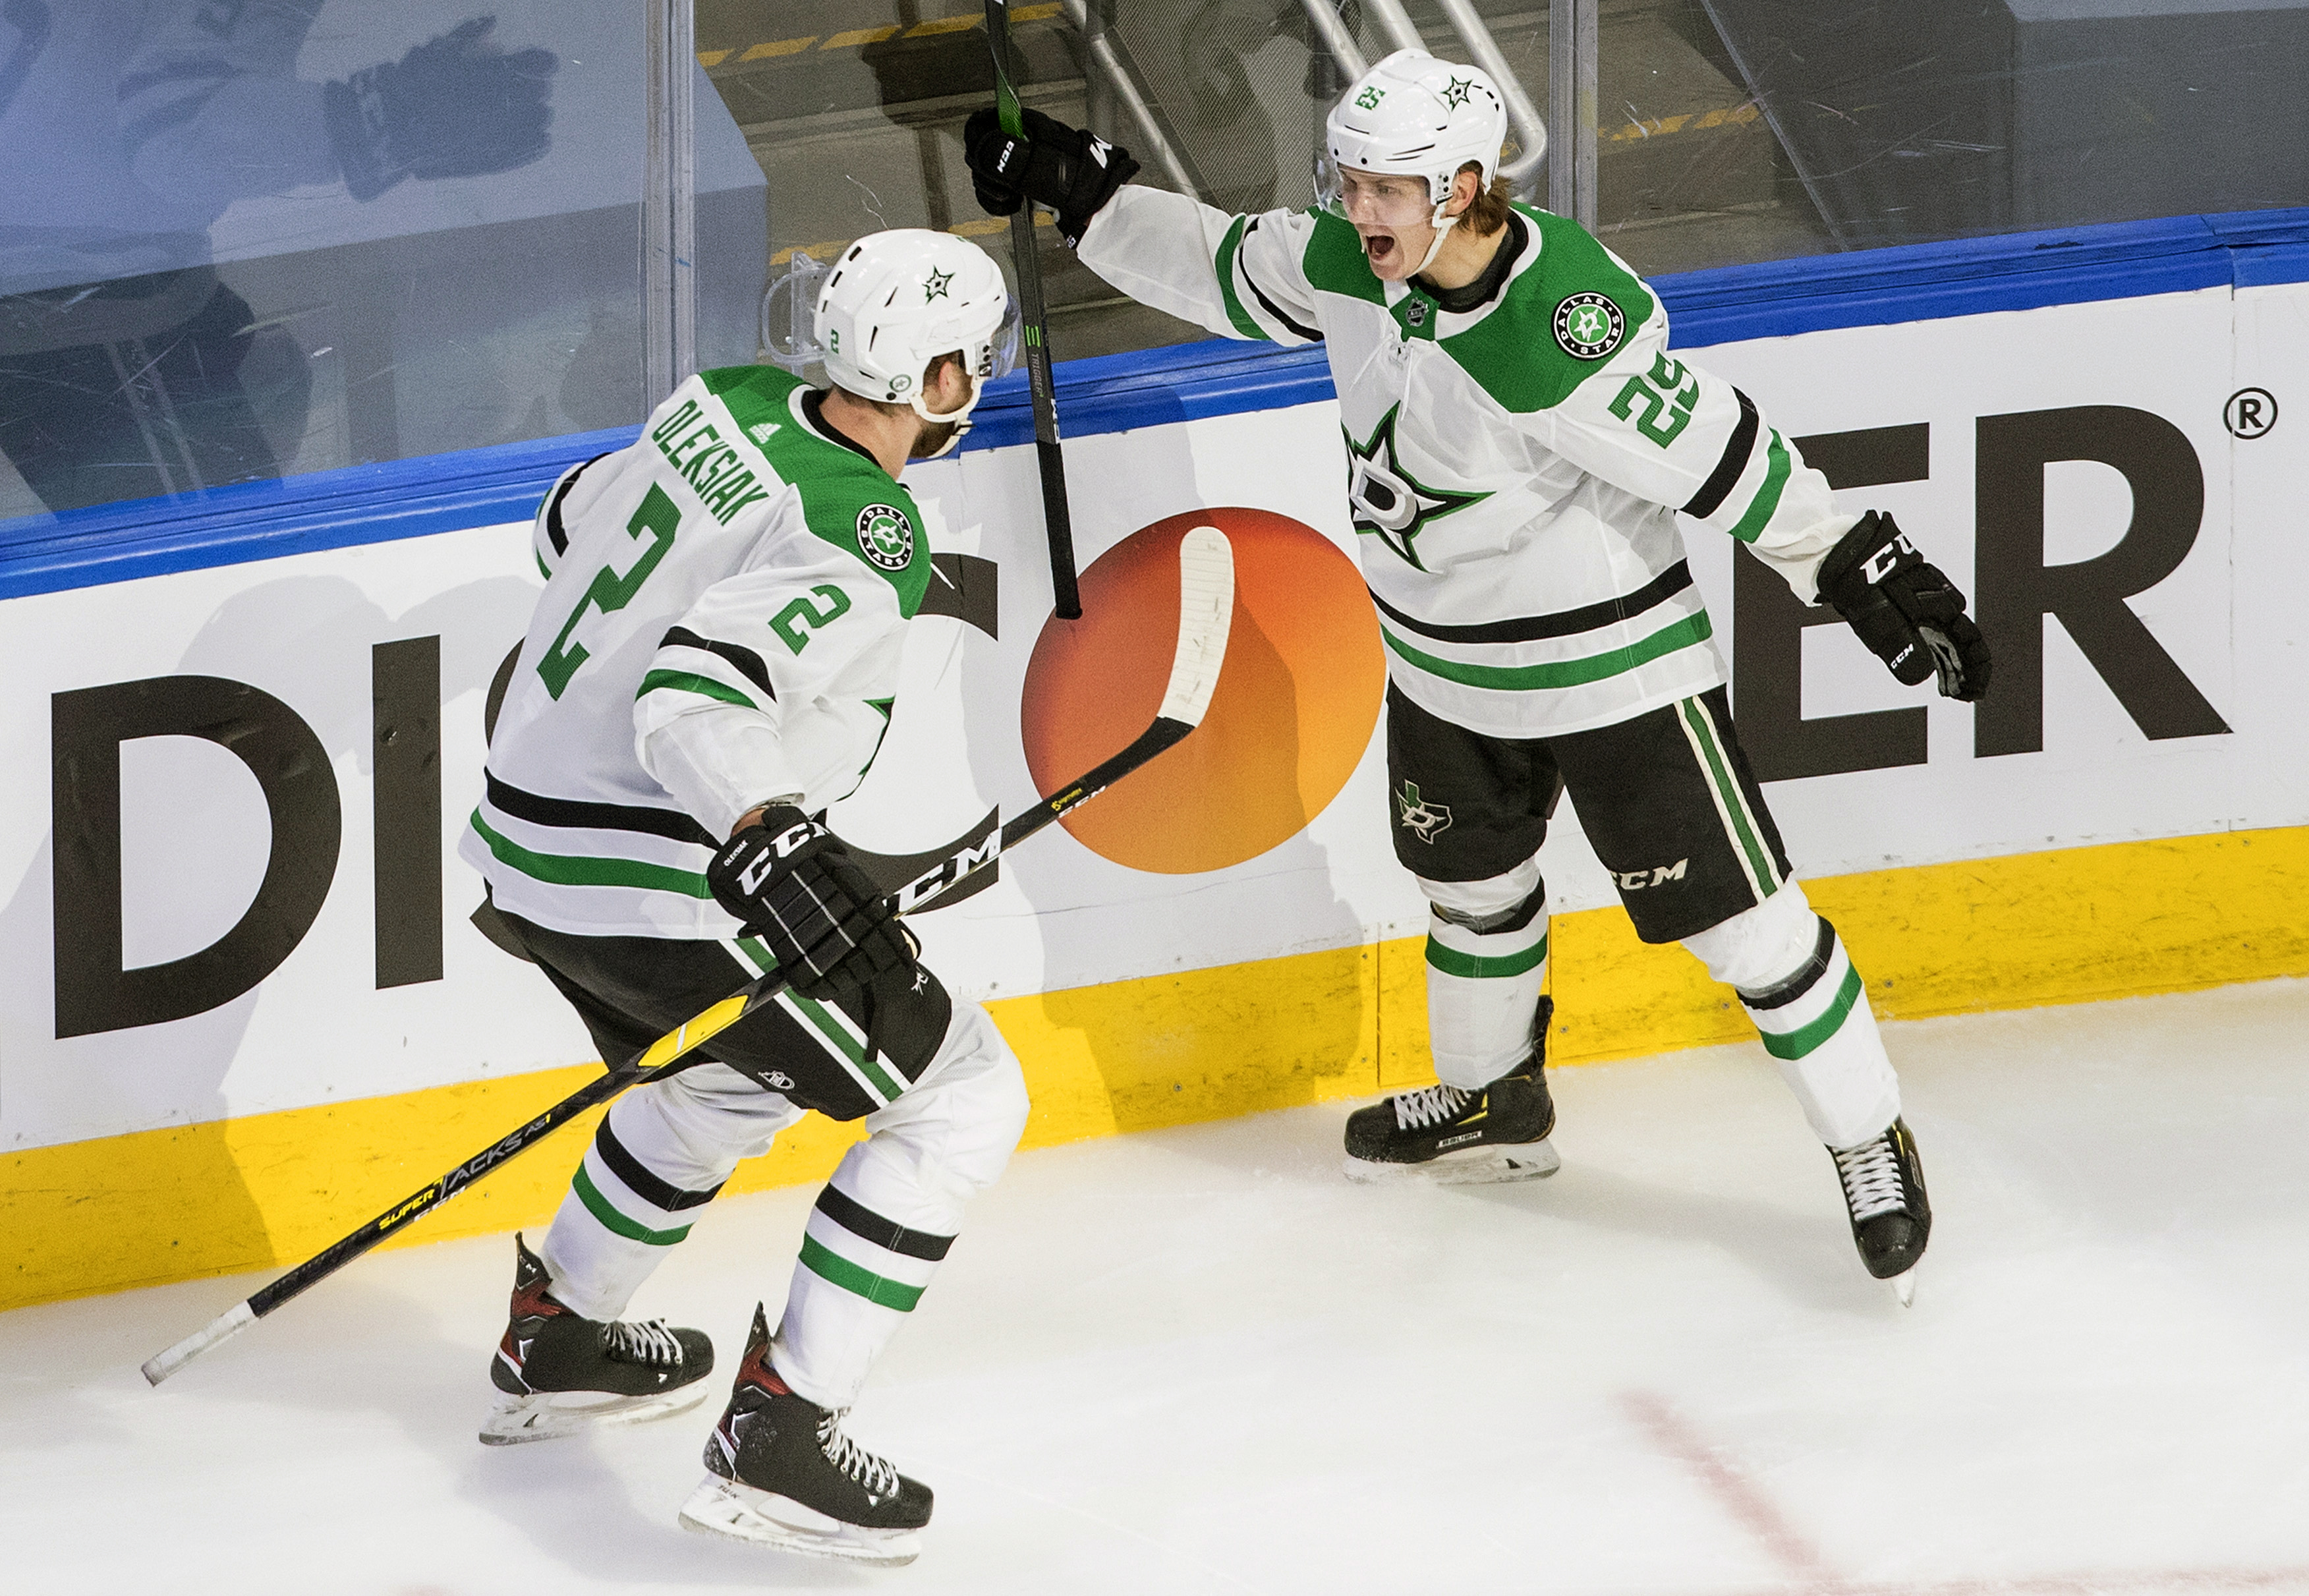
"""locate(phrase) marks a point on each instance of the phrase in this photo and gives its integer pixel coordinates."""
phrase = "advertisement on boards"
(229, 811)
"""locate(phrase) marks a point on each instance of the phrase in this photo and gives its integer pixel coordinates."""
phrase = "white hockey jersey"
(720, 625)
(1516, 471)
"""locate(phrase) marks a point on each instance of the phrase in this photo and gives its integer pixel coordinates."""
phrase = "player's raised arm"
(1610, 396)
(1239, 276)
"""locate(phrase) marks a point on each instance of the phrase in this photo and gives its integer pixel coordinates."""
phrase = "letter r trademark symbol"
(2250, 413)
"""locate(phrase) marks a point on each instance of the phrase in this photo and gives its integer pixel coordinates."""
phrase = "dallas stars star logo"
(1422, 819)
(1456, 94)
(934, 286)
(1385, 499)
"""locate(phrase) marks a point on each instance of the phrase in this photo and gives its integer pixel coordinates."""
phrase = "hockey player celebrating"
(1520, 444)
(712, 663)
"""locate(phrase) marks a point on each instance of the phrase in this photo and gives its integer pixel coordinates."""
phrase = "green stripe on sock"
(687, 681)
(830, 1266)
(865, 1062)
(1450, 961)
(1735, 803)
(1236, 313)
(1768, 497)
(562, 870)
(602, 1209)
(1559, 673)
(1797, 1043)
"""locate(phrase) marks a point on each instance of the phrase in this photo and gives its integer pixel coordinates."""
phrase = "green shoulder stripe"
(847, 499)
(1335, 261)
(1514, 352)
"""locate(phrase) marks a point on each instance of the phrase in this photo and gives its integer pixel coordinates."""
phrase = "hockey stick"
(1057, 520)
(1205, 607)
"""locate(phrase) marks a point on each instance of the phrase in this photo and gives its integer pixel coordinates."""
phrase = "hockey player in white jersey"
(1520, 443)
(712, 662)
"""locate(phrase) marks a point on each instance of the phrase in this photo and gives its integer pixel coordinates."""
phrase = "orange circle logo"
(1291, 717)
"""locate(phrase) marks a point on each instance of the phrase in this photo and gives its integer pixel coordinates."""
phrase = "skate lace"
(651, 1343)
(874, 1473)
(1432, 1105)
(1871, 1179)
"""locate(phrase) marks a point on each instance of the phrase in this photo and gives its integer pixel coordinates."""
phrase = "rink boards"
(264, 763)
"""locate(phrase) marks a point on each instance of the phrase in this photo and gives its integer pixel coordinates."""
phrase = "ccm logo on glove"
(1910, 616)
(1883, 563)
(790, 882)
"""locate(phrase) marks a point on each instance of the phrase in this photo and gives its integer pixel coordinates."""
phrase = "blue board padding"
(263, 520)
(409, 498)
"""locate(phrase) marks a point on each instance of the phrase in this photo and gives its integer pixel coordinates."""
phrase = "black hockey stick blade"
(1049, 460)
(1206, 611)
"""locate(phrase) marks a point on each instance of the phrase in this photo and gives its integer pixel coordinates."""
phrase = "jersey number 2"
(790, 621)
(608, 593)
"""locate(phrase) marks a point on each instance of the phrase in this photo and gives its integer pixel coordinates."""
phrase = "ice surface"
(1199, 1359)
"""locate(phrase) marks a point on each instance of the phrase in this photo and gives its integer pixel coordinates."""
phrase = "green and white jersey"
(722, 621)
(1516, 469)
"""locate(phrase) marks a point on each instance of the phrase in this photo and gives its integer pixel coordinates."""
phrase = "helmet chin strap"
(957, 419)
(1442, 225)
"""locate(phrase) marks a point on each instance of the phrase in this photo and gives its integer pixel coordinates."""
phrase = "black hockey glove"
(797, 888)
(1910, 614)
(456, 106)
(1064, 169)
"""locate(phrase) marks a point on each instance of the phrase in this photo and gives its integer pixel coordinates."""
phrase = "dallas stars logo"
(1589, 326)
(1424, 820)
(1385, 499)
(1456, 94)
(934, 286)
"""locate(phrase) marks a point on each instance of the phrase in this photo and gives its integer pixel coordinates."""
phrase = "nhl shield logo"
(886, 536)
(1588, 326)
(1424, 820)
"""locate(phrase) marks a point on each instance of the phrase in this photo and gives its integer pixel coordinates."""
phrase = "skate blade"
(1904, 1288)
(1473, 1165)
(730, 1508)
(550, 1415)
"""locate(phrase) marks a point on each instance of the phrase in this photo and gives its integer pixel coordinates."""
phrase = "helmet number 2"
(1369, 99)
(608, 593)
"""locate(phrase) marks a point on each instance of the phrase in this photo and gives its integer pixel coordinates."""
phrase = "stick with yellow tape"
(1206, 609)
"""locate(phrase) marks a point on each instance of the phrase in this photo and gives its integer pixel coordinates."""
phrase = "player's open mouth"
(1379, 247)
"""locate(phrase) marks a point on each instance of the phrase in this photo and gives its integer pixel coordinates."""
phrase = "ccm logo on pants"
(1632, 881)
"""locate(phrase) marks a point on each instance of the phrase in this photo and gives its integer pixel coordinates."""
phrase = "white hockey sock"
(1486, 965)
(1808, 1003)
(885, 1220)
(661, 1152)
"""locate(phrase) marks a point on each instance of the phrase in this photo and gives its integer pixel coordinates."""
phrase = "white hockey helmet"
(895, 301)
(1414, 116)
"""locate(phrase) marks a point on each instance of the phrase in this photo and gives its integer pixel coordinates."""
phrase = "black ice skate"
(1453, 1137)
(1884, 1191)
(783, 1474)
(557, 1373)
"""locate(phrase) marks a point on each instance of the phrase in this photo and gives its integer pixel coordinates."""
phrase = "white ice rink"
(1199, 1360)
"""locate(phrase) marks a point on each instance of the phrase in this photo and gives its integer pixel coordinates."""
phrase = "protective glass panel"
(855, 109)
(242, 241)
(1747, 130)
